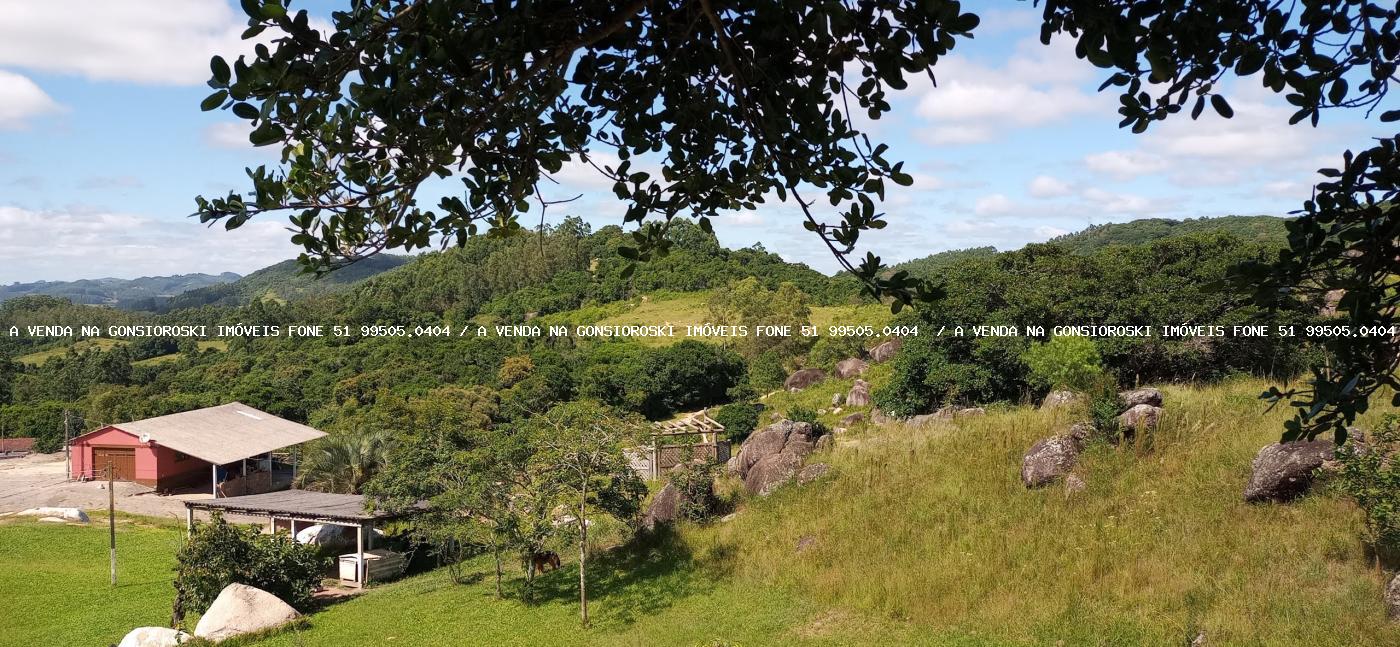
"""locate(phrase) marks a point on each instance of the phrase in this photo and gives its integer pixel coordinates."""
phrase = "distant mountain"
(1268, 229)
(284, 281)
(145, 293)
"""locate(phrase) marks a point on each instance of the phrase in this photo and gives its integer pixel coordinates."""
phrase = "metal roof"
(303, 504)
(222, 434)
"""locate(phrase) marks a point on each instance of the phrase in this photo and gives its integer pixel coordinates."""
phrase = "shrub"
(739, 419)
(1370, 474)
(1104, 405)
(831, 349)
(218, 554)
(803, 414)
(766, 371)
(1064, 362)
(696, 484)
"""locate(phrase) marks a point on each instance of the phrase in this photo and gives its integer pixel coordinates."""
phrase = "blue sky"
(103, 148)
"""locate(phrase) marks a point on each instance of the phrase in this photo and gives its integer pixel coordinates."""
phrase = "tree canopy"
(695, 107)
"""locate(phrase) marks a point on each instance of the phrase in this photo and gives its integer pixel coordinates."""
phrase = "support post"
(360, 569)
(214, 480)
(112, 517)
(189, 522)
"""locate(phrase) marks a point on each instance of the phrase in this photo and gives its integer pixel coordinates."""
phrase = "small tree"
(219, 553)
(1370, 474)
(344, 462)
(584, 443)
(1064, 362)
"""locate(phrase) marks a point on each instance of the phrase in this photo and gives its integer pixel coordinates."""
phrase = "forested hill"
(284, 282)
(1255, 229)
(1263, 229)
(568, 266)
(142, 293)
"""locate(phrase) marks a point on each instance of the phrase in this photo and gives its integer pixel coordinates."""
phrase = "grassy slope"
(54, 580)
(934, 526)
(924, 536)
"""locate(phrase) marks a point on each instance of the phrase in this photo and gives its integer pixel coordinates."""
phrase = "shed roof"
(296, 503)
(222, 434)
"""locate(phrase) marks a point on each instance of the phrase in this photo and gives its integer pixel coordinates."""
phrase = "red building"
(214, 445)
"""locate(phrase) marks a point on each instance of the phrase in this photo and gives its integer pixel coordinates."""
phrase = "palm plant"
(343, 463)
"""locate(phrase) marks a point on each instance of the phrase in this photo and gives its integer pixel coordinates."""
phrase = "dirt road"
(38, 480)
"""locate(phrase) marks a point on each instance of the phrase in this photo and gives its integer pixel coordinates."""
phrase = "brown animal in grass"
(539, 561)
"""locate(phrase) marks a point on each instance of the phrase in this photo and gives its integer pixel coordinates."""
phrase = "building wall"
(81, 457)
(174, 469)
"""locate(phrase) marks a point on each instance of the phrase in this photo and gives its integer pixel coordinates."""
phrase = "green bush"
(1104, 405)
(1064, 363)
(1370, 474)
(696, 484)
(766, 372)
(219, 553)
(803, 414)
(739, 419)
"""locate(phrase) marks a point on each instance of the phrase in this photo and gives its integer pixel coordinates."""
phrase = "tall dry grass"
(933, 527)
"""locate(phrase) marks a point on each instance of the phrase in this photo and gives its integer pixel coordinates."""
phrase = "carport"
(308, 508)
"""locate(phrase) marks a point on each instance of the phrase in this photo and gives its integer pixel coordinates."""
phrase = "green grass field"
(923, 536)
(55, 587)
(216, 344)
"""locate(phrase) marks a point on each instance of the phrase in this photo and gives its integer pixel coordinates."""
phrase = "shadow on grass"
(641, 578)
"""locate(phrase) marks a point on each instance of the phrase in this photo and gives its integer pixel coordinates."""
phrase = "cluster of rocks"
(1052, 458)
(845, 369)
(773, 457)
(1142, 411)
(239, 609)
(666, 506)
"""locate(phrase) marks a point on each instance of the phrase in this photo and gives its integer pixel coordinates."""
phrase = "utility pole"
(67, 454)
(112, 517)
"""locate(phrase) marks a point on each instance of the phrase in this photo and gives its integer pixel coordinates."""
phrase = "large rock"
(67, 514)
(853, 419)
(1049, 459)
(242, 609)
(1059, 399)
(664, 508)
(772, 472)
(1141, 396)
(1284, 471)
(153, 637)
(1140, 417)
(825, 443)
(885, 352)
(859, 395)
(851, 367)
(812, 472)
(772, 440)
(803, 379)
(1392, 599)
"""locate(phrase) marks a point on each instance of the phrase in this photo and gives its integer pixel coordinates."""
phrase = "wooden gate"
(123, 460)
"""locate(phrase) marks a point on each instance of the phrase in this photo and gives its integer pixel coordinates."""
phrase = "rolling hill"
(283, 282)
(144, 293)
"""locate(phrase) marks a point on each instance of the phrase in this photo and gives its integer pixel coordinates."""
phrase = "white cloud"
(1125, 165)
(62, 245)
(1045, 186)
(1118, 203)
(166, 42)
(974, 103)
(232, 135)
(148, 41)
(993, 205)
(20, 100)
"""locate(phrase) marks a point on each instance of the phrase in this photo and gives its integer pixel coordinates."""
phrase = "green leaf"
(1222, 107)
(273, 11)
(245, 111)
(219, 67)
(213, 101)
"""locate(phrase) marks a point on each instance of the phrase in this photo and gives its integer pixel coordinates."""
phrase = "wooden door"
(123, 460)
